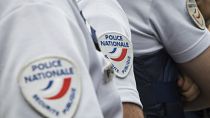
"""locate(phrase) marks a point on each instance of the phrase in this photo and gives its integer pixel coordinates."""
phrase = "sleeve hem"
(129, 95)
(193, 51)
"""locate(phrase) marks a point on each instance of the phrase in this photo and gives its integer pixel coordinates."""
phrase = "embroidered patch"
(195, 14)
(52, 86)
(118, 49)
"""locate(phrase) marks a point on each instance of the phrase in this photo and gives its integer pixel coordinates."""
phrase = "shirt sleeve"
(176, 30)
(34, 31)
(107, 16)
(127, 89)
(95, 11)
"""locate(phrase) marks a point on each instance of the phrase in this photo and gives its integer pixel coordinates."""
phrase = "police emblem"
(195, 14)
(119, 51)
(52, 86)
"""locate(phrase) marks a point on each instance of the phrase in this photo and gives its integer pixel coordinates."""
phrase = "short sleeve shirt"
(41, 43)
(158, 24)
(110, 17)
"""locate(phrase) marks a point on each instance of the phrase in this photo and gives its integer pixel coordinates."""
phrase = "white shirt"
(158, 24)
(34, 33)
(107, 16)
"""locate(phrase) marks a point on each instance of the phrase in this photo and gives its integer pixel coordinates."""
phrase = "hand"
(189, 89)
(131, 110)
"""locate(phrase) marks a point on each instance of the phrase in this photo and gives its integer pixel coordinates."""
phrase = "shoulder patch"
(119, 51)
(52, 86)
(195, 14)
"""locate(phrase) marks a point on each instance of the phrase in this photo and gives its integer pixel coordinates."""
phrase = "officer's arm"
(202, 99)
(116, 21)
(202, 59)
(199, 70)
(188, 46)
(131, 110)
(41, 36)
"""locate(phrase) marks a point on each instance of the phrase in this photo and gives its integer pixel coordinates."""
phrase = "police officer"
(166, 34)
(49, 66)
(115, 26)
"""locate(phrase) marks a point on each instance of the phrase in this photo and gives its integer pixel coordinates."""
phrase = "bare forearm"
(198, 69)
(200, 103)
(131, 110)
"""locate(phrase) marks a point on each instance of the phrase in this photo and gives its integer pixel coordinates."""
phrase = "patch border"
(131, 47)
(28, 63)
